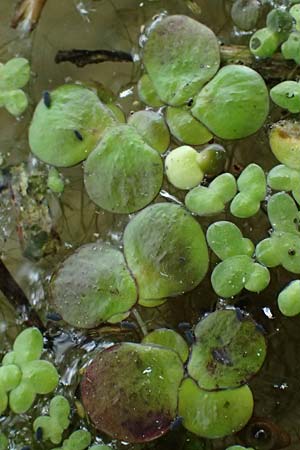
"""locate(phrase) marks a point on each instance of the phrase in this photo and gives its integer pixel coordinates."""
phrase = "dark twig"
(17, 298)
(271, 69)
(83, 57)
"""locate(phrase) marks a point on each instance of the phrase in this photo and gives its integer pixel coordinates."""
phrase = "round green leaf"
(214, 414)
(22, 398)
(283, 178)
(287, 95)
(147, 93)
(283, 213)
(93, 285)
(66, 131)
(14, 74)
(169, 339)
(41, 375)
(234, 104)
(226, 240)
(182, 168)
(229, 350)
(16, 102)
(212, 159)
(180, 56)
(186, 128)
(143, 382)
(284, 140)
(289, 299)
(123, 174)
(245, 13)
(153, 129)
(290, 49)
(264, 43)
(229, 277)
(10, 377)
(165, 250)
(28, 346)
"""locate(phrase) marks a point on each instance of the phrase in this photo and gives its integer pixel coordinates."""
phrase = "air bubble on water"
(147, 370)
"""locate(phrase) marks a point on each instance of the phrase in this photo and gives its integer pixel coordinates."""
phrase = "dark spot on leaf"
(221, 356)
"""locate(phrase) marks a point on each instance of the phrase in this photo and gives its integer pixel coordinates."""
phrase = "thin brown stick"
(83, 57)
(271, 69)
(28, 13)
(15, 295)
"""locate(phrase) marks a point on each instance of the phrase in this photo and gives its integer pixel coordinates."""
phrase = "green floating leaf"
(234, 104)
(10, 377)
(287, 95)
(117, 112)
(214, 414)
(283, 178)
(280, 21)
(289, 299)
(245, 14)
(239, 272)
(54, 425)
(253, 189)
(180, 56)
(165, 250)
(15, 102)
(143, 380)
(169, 339)
(153, 129)
(283, 213)
(185, 128)
(212, 199)
(28, 346)
(212, 159)
(151, 303)
(226, 240)
(284, 141)
(295, 13)
(79, 440)
(229, 350)
(264, 43)
(282, 248)
(67, 125)
(3, 442)
(14, 74)
(123, 174)
(182, 168)
(93, 285)
(147, 93)
(22, 397)
(290, 49)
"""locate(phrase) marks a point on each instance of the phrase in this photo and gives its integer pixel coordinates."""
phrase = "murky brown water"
(116, 25)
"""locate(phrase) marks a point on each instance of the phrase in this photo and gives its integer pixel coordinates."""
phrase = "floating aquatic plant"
(186, 69)
(170, 339)
(228, 351)
(226, 240)
(185, 128)
(287, 95)
(123, 174)
(214, 414)
(56, 422)
(67, 125)
(147, 93)
(209, 200)
(289, 299)
(264, 43)
(23, 375)
(283, 178)
(14, 75)
(253, 190)
(152, 127)
(92, 286)
(182, 168)
(79, 440)
(166, 251)
(234, 104)
(3, 442)
(145, 392)
(284, 140)
(281, 248)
